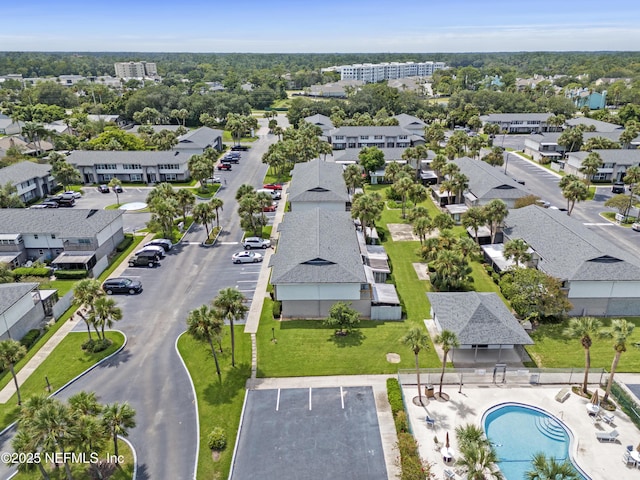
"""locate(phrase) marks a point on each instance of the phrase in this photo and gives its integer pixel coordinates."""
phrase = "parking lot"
(304, 433)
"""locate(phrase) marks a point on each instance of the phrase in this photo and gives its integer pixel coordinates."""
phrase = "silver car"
(246, 257)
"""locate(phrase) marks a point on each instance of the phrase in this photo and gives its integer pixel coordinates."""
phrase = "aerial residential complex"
(135, 69)
(376, 72)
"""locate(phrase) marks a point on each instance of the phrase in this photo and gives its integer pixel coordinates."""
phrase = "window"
(364, 137)
(339, 137)
(169, 166)
(35, 236)
(402, 137)
(53, 235)
(135, 177)
(41, 252)
(377, 137)
(132, 166)
(84, 241)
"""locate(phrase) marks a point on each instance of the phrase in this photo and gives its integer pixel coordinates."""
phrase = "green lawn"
(115, 261)
(219, 404)
(79, 470)
(66, 362)
(552, 350)
(308, 348)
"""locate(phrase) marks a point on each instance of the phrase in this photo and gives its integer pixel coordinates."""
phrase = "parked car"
(49, 204)
(256, 242)
(160, 242)
(160, 251)
(636, 226)
(66, 202)
(224, 166)
(246, 257)
(275, 194)
(273, 186)
(230, 160)
(122, 285)
(237, 148)
(232, 155)
(144, 260)
(103, 188)
(270, 208)
(618, 187)
(117, 188)
(215, 179)
(73, 194)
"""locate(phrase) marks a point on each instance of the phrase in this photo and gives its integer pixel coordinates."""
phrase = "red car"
(270, 208)
(273, 186)
(224, 166)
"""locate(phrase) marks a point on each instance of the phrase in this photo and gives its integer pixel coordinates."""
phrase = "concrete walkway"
(25, 372)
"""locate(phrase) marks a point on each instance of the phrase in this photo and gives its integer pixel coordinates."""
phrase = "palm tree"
(52, 428)
(113, 183)
(105, 313)
(495, 212)
(206, 323)
(118, 418)
(11, 352)
(243, 190)
(544, 468)
(231, 303)
(518, 250)
(417, 340)
(471, 434)
(186, 200)
(367, 208)
(392, 171)
(24, 442)
(584, 328)
(620, 331)
(353, 177)
(474, 218)
(217, 204)
(590, 166)
(459, 183)
(447, 340)
(403, 186)
(84, 403)
(632, 178)
(479, 462)
(203, 214)
(422, 226)
(437, 164)
(576, 191)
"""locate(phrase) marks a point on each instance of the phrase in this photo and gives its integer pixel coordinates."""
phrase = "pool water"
(517, 432)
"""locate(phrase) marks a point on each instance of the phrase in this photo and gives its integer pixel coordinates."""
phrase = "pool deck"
(599, 460)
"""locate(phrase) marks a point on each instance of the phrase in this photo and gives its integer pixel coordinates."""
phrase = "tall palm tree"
(203, 214)
(84, 403)
(24, 442)
(479, 462)
(495, 213)
(11, 352)
(590, 166)
(52, 427)
(447, 340)
(422, 226)
(403, 186)
(584, 328)
(576, 191)
(231, 303)
(105, 313)
(353, 177)
(469, 434)
(620, 331)
(206, 323)
(118, 418)
(85, 293)
(367, 208)
(544, 468)
(437, 164)
(474, 218)
(632, 178)
(392, 171)
(217, 204)
(416, 339)
(518, 250)
(186, 200)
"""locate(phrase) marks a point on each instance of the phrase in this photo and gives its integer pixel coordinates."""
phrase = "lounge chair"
(608, 418)
(626, 458)
(449, 474)
(607, 436)
(431, 423)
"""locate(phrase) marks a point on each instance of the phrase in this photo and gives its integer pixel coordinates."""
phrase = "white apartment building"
(372, 73)
(135, 69)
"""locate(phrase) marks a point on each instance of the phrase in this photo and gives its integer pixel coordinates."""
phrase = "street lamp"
(506, 162)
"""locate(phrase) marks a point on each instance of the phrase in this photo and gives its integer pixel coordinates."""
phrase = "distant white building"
(135, 69)
(377, 72)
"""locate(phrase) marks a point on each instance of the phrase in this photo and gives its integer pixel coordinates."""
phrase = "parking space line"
(342, 397)
(310, 398)
(278, 401)
(246, 281)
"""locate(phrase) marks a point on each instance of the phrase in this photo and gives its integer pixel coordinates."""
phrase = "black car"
(618, 187)
(103, 188)
(227, 159)
(242, 148)
(122, 285)
(143, 261)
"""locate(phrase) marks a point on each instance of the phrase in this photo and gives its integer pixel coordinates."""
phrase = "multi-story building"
(32, 180)
(377, 72)
(135, 69)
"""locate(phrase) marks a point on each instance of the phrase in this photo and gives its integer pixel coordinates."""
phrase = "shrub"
(125, 243)
(392, 204)
(30, 338)
(496, 277)
(32, 272)
(392, 194)
(217, 439)
(95, 346)
(394, 394)
(277, 309)
(413, 468)
(402, 425)
(71, 274)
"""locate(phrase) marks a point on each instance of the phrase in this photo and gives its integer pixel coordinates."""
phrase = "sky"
(325, 26)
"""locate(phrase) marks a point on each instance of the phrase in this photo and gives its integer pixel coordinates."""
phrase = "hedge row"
(125, 243)
(30, 338)
(31, 272)
(71, 274)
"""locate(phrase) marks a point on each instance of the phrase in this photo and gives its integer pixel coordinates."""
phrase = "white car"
(153, 248)
(636, 227)
(73, 194)
(256, 242)
(160, 242)
(246, 257)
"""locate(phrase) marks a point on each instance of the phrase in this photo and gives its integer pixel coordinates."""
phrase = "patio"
(600, 460)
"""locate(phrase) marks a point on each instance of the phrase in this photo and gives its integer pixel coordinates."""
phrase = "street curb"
(135, 456)
(235, 446)
(195, 403)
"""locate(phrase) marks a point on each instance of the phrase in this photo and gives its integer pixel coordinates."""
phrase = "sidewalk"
(25, 372)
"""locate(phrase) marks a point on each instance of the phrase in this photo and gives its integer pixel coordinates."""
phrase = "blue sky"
(323, 26)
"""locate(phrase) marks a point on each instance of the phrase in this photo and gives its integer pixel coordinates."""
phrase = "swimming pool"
(518, 431)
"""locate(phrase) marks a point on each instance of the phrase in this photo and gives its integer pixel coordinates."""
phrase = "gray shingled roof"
(620, 156)
(552, 137)
(599, 124)
(317, 246)
(354, 131)
(317, 181)
(90, 158)
(63, 222)
(352, 154)
(23, 171)
(405, 119)
(10, 293)
(487, 182)
(320, 120)
(568, 249)
(510, 117)
(478, 318)
(202, 137)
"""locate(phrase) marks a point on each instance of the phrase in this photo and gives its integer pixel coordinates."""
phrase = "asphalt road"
(148, 373)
